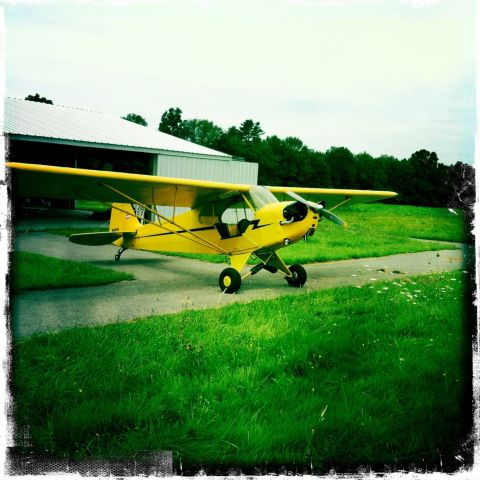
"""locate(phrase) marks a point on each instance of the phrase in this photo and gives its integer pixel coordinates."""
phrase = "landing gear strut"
(119, 252)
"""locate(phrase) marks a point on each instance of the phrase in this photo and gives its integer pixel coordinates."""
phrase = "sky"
(386, 77)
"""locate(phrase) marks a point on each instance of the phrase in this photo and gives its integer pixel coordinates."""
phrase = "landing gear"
(270, 268)
(298, 278)
(119, 252)
(230, 280)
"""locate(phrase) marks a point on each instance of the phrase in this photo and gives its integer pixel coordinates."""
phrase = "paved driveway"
(169, 284)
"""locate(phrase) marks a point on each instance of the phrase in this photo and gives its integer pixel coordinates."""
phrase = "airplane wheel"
(230, 280)
(299, 276)
(117, 257)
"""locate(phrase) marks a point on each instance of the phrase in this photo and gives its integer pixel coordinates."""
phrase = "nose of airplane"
(319, 208)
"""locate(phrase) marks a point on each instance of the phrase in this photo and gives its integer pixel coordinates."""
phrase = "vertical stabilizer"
(123, 218)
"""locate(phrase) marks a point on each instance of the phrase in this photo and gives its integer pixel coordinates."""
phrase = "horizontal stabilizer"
(93, 239)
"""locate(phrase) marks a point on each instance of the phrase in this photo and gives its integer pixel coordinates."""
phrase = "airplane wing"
(31, 180)
(333, 197)
(45, 181)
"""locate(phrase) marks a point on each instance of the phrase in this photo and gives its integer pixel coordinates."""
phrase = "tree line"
(419, 180)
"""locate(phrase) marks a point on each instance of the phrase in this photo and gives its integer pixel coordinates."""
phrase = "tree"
(38, 98)
(203, 132)
(343, 167)
(294, 143)
(250, 131)
(419, 180)
(424, 161)
(135, 118)
(292, 162)
(230, 142)
(373, 173)
(427, 186)
(321, 171)
(172, 122)
(389, 165)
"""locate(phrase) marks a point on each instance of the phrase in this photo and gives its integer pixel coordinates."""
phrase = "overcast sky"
(386, 77)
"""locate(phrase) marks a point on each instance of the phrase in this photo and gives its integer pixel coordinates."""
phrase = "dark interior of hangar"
(46, 153)
(79, 156)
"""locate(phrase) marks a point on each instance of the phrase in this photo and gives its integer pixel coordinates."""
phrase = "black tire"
(299, 276)
(230, 281)
(117, 257)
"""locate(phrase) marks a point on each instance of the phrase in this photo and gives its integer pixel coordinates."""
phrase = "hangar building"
(72, 137)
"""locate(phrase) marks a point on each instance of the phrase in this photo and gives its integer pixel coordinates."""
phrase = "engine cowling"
(295, 212)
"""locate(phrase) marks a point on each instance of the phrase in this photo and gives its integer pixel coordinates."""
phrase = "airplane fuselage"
(268, 230)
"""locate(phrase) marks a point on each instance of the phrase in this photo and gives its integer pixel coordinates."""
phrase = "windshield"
(261, 196)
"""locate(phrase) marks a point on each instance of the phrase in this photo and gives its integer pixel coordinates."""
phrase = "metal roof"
(44, 122)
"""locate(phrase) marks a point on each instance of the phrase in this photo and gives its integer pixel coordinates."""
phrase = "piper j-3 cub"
(280, 216)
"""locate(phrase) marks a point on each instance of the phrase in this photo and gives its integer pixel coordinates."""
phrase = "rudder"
(123, 218)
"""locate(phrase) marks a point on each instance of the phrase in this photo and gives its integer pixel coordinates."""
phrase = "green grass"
(91, 206)
(341, 377)
(31, 271)
(407, 221)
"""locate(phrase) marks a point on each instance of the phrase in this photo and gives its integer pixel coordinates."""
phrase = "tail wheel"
(230, 280)
(299, 276)
(119, 253)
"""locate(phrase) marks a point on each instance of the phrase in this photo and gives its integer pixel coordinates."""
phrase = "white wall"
(230, 171)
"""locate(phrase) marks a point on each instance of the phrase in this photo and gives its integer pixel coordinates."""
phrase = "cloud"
(369, 76)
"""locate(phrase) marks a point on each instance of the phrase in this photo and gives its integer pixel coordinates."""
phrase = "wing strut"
(202, 241)
(341, 203)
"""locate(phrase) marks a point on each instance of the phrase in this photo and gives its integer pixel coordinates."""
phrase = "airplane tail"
(123, 218)
(123, 223)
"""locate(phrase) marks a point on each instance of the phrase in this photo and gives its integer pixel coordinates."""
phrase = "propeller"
(318, 208)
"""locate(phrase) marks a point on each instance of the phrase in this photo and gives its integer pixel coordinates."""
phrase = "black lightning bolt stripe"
(255, 224)
(200, 229)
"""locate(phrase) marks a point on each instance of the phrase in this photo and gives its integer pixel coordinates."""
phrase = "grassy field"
(91, 206)
(407, 221)
(336, 378)
(31, 271)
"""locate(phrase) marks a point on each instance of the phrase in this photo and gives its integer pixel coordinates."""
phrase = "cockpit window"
(261, 196)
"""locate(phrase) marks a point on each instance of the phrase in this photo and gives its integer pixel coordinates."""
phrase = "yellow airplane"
(279, 215)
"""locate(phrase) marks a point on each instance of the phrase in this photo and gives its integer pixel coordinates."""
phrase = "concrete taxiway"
(165, 284)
